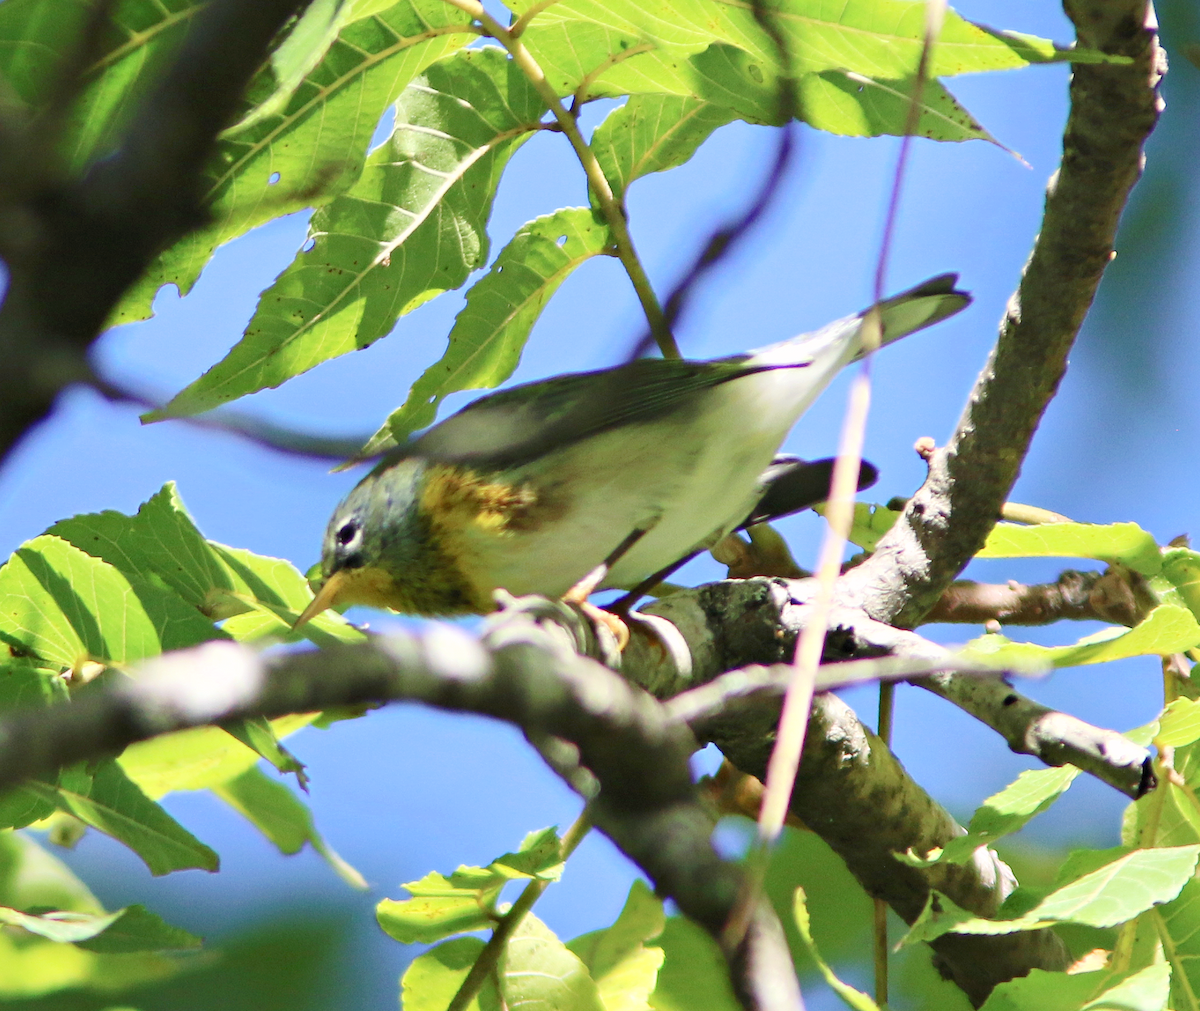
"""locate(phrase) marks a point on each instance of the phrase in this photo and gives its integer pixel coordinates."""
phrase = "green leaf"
(258, 735)
(33, 880)
(879, 39)
(282, 817)
(110, 801)
(1179, 724)
(1042, 991)
(1112, 894)
(694, 974)
(162, 545)
(853, 998)
(1005, 812)
(315, 146)
(1126, 543)
(539, 973)
(306, 44)
(65, 606)
(625, 970)
(1146, 990)
(133, 928)
(652, 133)
(871, 522)
(1176, 926)
(195, 759)
(502, 307)
(1169, 628)
(1181, 568)
(131, 50)
(438, 908)
(539, 856)
(433, 978)
(412, 227)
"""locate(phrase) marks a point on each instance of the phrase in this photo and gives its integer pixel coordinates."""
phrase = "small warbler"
(618, 474)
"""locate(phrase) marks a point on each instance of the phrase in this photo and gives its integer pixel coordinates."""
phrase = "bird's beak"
(326, 597)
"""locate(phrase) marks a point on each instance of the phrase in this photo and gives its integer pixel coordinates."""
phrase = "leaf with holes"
(412, 227)
(315, 146)
(502, 307)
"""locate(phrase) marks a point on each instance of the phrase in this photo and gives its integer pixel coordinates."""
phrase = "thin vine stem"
(614, 213)
(486, 963)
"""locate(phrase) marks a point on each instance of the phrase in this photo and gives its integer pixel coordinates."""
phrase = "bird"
(595, 480)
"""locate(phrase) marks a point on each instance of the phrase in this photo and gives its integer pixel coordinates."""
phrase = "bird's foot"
(613, 622)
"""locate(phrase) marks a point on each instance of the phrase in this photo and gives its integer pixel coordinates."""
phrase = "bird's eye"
(346, 532)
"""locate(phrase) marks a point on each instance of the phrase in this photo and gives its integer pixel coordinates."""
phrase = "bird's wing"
(522, 423)
(791, 484)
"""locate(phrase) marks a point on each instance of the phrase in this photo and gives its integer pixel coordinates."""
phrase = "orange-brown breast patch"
(454, 498)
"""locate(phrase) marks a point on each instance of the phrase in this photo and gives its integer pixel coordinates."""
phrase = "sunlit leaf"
(1169, 628)
(1006, 812)
(65, 606)
(1181, 568)
(1126, 543)
(502, 307)
(1043, 991)
(1112, 894)
(413, 226)
(438, 909)
(693, 974)
(538, 972)
(282, 817)
(108, 800)
(434, 977)
(853, 998)
(625, 970)
(315, 146)
(871, 522)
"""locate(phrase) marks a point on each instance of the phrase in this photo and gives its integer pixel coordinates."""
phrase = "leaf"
(438, 908)
(853, 998)
(871, 522)
(625, 970)
(1169, 628)
(1005, 812)
(412, 227)
(1146, 990)
(65, 607)
(1112, 894)
(258, 735)
(694, 974)
(502, 307)
(1176, 926)
(1181, 569)
(652, 133)
(866, 36)
(161, 544)
(110, 801)
(1126, 543)
(195, 759)
(130, 51)
(1042, 991)
(34, 881)
(315, 146)
(539, 856)
(282, 817)
(133, 928)
(433, 978)
(539, 973)
(1179, 724)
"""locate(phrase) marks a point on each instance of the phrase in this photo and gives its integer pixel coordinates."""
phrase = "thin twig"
(609, 204)
(494, 948)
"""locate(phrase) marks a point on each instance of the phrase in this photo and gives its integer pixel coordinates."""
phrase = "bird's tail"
(919, 307)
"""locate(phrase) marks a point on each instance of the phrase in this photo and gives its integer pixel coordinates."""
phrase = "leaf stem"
(490, 956)
(614, 213)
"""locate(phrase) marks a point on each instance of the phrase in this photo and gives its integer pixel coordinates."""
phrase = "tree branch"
(1117, 595)
(80, 243)
(525, 672)
(1113, 109)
